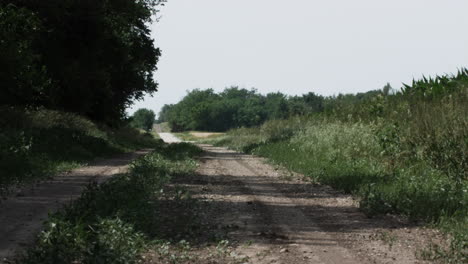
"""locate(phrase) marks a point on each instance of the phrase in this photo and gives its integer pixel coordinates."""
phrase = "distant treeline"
(236, 107)
(93, 58)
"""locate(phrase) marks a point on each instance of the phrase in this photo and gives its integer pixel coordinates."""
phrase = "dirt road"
(169, 138)
(275, 217)
(22, 216)
(268, 215)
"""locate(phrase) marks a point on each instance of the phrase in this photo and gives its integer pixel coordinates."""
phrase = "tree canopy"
(236, 107)
(143, 119)
(93, 58)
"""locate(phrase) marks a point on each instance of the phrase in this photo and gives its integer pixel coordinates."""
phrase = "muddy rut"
(278, 218)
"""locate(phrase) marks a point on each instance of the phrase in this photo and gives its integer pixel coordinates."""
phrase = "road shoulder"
(22, 216)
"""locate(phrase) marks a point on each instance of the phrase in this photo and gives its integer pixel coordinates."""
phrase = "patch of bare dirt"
(169, 138)
(265, 215)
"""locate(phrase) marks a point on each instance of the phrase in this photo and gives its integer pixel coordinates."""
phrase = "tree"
(96, 57)
(276, 106)
(387, 89)
(143, 118)
(21, 76)
(164, 113)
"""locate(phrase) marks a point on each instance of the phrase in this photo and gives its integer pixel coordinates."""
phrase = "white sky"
(297, 46)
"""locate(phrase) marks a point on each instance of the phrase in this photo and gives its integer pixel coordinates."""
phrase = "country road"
(169, 138)
(269, 215)
(279, 218)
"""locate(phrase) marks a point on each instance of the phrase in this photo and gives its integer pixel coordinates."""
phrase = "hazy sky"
(297, 46)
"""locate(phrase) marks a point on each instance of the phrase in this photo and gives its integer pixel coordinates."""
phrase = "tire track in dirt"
(304, 236)
(291, 221)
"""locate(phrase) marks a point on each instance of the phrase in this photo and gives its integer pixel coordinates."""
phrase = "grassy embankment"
(405, 154)
(121, 219)
(129, 218)
(35, 145)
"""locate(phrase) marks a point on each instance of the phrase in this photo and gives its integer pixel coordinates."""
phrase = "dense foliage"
(93, 58)
(143, 119)
(403, 153)
(235, 107)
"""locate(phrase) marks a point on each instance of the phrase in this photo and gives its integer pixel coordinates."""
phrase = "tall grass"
(38, 144)
(405, 153)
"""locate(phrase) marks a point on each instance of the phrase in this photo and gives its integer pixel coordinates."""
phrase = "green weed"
(116, 221)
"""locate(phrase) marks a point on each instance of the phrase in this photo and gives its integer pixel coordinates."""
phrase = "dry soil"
(274, 216)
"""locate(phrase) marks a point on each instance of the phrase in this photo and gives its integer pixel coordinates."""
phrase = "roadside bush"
(277, 130)
(369, 160)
